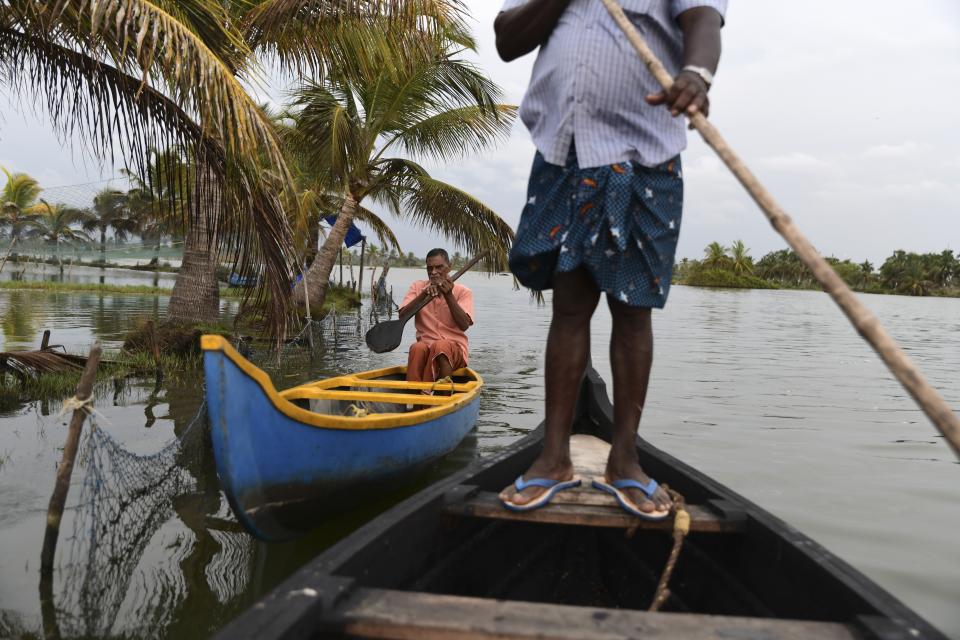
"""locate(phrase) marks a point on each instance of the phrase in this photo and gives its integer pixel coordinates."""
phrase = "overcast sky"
(846, 110)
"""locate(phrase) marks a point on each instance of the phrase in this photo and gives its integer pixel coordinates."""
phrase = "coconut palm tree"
(19, 207)
(740, 259)
(111, 210)
(715, 256)
(56, 224)
(866, 273)
(438, 106)
(915, 280)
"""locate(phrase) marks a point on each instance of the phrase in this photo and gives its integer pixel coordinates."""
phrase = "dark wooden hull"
(447, 562)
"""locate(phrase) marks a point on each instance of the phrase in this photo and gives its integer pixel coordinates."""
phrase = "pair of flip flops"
(615, 488)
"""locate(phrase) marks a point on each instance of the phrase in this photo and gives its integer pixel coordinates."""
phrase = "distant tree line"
(903, 273)
(377, 256)
(26, 216)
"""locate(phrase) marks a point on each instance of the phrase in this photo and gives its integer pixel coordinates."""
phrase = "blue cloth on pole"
(353, 233)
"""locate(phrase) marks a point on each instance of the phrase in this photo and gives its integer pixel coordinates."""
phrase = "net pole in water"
(865, 322)
(62, 485)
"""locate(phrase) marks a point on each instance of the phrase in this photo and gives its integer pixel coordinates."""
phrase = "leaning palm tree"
(19, 207)
(58, 224)
(437, 107)
(111, 210)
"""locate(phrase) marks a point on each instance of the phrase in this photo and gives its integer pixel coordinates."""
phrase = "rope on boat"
(356, 412)
(443, 380)
(681, 527)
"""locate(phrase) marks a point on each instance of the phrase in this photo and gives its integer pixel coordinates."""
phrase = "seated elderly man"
(441, 346)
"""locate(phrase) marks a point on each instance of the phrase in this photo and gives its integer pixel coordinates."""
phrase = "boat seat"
(585, 506)
(590, 508)
(381, 613)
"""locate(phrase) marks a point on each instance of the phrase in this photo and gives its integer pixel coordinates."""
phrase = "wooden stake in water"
(62, 485)
(867, 324)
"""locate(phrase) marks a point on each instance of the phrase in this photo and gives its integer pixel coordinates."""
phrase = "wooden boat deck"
(586, 506)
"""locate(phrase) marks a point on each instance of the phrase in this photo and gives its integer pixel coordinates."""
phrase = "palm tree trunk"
(319, 273)
(13, 241)
(314, 231)
(196, 293)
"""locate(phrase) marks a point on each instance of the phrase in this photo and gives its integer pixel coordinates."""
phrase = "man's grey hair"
(439, 252)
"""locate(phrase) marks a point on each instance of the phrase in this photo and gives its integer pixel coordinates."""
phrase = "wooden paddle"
(386, 336)
(867, 324)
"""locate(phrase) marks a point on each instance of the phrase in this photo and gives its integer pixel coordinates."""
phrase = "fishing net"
(125, 500)
(323, 334)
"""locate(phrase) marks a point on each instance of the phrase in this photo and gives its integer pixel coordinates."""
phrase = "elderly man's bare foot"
(627, 467)
(560, 470)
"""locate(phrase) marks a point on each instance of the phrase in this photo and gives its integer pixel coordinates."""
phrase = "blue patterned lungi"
(621, 222)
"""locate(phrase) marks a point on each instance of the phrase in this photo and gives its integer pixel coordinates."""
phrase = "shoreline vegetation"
(902, 273)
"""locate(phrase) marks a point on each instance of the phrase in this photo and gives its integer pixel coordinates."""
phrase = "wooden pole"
(363, 248)
(306, 301)
(866, 324)
(62, 485)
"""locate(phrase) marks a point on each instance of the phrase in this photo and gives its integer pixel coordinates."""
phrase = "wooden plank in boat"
(586, 506)
(379, 613)
(487, 505)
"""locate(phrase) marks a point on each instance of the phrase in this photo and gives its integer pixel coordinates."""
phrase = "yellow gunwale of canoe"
(463, 394)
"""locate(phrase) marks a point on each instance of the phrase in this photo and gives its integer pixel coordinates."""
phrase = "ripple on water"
(769, 392)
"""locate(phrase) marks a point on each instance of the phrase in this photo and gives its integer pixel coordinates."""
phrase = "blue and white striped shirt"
(588, 83)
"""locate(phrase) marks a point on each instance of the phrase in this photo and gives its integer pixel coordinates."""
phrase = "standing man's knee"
(575, 296)
(635, 317)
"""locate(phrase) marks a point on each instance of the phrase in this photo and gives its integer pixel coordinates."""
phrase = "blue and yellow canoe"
(327, 443)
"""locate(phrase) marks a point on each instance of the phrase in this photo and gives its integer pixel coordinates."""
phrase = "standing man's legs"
(631, 355)
(575, 297)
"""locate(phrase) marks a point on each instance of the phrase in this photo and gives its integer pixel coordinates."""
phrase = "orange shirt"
(435, 321)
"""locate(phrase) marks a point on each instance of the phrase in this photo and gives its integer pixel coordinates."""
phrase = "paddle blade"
(385, 336)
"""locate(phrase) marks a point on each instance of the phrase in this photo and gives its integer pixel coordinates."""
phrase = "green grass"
(114, 365)
(81, 287)
(57, 287)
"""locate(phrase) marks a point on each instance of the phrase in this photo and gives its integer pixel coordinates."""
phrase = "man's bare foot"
(622, 469)
(548, 469)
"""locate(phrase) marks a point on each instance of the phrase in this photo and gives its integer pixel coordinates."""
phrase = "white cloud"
(795, 161)
(901, 150)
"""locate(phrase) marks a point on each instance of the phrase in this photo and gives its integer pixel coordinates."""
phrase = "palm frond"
(383, 231)
(327, 135)
(457, 132)
(310, 37)
(442, 208)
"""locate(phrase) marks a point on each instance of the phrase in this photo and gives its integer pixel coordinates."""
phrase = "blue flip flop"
(615, 489)
(553, 488)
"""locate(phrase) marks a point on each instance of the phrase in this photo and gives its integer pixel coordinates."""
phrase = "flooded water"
(770, 392)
